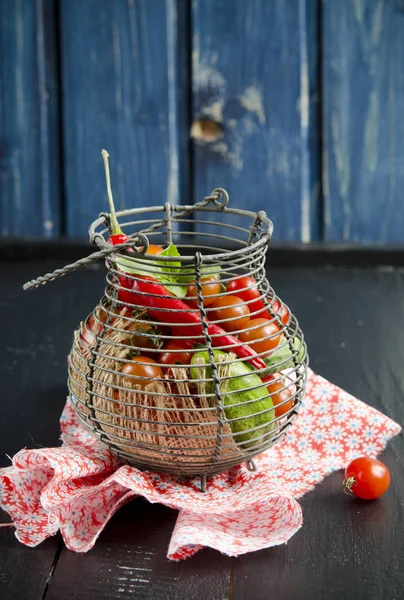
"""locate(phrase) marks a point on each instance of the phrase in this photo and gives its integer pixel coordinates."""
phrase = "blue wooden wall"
(294, 107)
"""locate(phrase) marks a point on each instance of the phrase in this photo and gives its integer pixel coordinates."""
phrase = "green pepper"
(282, 357)
(240, 402)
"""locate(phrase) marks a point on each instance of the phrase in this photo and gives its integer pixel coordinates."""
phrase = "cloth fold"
(77, 487)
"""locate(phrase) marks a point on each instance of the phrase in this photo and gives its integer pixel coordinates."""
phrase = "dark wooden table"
(353, 321)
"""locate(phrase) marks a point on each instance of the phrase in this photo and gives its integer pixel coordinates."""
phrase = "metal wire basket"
(188, 419)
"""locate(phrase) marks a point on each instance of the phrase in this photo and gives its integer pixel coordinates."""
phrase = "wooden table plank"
(129, 561)
(363, 79)
(29, 115)
(33, 373)
(254, 74)
(346, 548)
(123, 68)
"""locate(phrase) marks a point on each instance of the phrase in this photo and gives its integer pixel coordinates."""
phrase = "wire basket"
(203, 407)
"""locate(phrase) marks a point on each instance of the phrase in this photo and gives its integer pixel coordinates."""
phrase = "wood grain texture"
(251, 74)
(363, 98)
(123, 69)
(345, 549)
(29, 141)
(130, 562)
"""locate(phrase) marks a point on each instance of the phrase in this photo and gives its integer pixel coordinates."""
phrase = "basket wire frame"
(197, 427)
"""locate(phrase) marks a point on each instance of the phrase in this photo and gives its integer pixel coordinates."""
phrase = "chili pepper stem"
(116, 229)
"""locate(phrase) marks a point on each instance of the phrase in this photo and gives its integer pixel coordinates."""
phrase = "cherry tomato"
(282, 398)
(93, 326)
(366, 478)
(210, 289)
(245, 287)
(230, 307)
(153, 249)
(261, 335)
(143, 335)
(182, 355)
(143, 367)
(282, 310)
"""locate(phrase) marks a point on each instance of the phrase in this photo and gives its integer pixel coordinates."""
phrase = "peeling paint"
(249, 125)
(19, 91)
(304, 96)
(117, 67)
(343, 172)
(326, 190)
(252, 101)
(214, 110)
(372, 133)
(377, 25)
(232, 157)
(173, 158)
(206, 73)
(359, 11)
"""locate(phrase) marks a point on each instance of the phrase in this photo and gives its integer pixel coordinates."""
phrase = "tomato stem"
(116, 229)
(347, 485)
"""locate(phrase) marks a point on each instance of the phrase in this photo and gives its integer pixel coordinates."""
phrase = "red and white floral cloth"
(77, 488)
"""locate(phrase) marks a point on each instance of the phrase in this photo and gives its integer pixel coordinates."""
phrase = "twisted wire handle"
(138, 239)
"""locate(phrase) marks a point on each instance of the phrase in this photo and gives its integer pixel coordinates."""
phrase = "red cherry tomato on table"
(366, 478)
(261, 335)
(176, 352)
(210, 290)
(281, 396)
(245, 287)
(142, 370)
(232, 308)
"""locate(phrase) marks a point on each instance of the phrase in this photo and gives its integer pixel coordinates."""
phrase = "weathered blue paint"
(251, 74)
(363, 75)
(122, 90)
(29, 143)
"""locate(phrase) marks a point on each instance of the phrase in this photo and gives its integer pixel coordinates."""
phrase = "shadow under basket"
(188, 419)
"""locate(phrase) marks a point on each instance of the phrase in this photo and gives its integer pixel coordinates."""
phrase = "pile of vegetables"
(175, 328)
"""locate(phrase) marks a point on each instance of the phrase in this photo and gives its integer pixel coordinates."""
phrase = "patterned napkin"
(78, 487)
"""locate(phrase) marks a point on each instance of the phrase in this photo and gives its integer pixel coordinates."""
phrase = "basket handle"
(219, 197)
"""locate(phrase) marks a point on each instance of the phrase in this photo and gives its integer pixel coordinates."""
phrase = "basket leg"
(203, 483)
(250, 464)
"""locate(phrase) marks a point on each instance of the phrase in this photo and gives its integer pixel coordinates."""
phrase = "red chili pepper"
(118, 238)
(168, 309)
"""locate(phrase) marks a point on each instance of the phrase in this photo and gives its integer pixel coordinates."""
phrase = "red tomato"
(232, 308)
(210, 289)
(93, 326)
(261, 335)
(366, 478)
(282, 398)
(245, 287)
(282, 310)
(182, 353)
(144, 368)
(143, 335)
